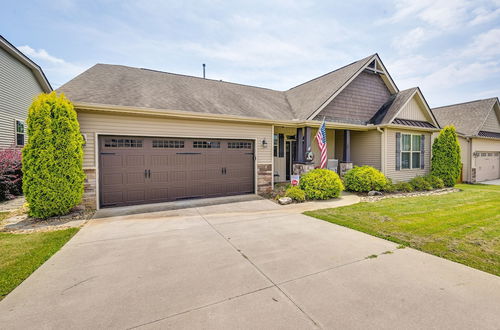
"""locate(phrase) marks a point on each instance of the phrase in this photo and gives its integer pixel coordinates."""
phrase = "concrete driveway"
(248, 265)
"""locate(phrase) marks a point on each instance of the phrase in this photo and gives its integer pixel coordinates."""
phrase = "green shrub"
(364, 178)
(434, 181)
(296, 194)
(419, 183)
(403, 187)
(446, 163)
(321, 184)
(52, 160)
(389, 186)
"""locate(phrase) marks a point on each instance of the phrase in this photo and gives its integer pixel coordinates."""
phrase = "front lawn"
(22, 254)
(463, 226)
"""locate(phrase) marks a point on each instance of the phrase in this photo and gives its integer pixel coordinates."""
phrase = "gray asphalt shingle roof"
(136, 87)
(466, 117)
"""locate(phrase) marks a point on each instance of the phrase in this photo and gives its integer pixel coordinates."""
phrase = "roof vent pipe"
(204, 70)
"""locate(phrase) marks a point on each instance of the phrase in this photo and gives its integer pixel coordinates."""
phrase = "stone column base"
(344, 168)
(299, 169)
(89, 193)
(264, 178)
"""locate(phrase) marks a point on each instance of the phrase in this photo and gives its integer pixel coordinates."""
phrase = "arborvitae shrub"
(53, 157)
(446, 163)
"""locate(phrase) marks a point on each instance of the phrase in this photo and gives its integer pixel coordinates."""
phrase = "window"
(410, 151)
(123, 143)
(168, 144)
(206, 144)
(239, 145)
(20, 133)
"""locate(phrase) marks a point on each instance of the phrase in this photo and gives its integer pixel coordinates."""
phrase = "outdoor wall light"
(264, 143)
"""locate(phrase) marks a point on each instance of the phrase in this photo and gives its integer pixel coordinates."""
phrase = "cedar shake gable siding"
(359, 101)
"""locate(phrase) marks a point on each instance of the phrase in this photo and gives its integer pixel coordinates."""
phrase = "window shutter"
(281, 152)
(422, 151)
(398, 151)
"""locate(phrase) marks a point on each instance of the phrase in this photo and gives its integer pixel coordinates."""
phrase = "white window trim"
(15, 132)
(411, 152)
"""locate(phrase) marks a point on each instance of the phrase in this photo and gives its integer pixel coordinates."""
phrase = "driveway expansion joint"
(261, 272)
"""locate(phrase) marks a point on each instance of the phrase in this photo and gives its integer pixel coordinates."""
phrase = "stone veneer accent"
(264, 178)
(89, 194)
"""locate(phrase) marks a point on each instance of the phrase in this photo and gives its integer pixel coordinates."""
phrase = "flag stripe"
(321, 139)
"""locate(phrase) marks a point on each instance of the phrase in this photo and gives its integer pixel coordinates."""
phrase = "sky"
(450, 49)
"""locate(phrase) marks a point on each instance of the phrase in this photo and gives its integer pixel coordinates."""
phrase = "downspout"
(383, 148)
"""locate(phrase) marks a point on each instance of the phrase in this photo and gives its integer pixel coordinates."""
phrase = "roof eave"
(81, 106)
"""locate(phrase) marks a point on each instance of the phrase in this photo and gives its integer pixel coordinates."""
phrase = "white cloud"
(485, 45)
(57, 70)
(412, 39)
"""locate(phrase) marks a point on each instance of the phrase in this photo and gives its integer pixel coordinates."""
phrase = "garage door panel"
(487, 166)
(111, 160)
(142, 170)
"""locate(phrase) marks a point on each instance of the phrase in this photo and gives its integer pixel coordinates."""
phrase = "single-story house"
(478, 127)
(155, 136)
(21, 80)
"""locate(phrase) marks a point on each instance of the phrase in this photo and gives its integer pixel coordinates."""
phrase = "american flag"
(321, 138)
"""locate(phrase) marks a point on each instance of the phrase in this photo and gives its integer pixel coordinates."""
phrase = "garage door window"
(123, 143)
(177, 144)
(206, 144)
(239, 145)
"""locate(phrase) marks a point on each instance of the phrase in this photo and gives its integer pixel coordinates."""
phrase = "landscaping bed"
(463, 226)
(366, 198)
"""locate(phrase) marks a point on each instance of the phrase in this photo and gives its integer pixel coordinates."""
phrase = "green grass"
(22, 254)
(463, 226)
(3, 215)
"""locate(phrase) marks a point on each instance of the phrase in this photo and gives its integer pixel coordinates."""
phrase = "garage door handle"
(145, 173)
(149, 174)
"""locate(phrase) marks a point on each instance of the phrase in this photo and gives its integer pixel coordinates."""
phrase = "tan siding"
(405, 175)
(465, 158)
(18, 87)
(339, 144)
(492, 123)
(119, 124)
(366, 148)
(414, 110)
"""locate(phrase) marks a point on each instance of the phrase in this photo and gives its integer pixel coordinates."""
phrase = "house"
(478, 127)
(154, 136)
(21, 80)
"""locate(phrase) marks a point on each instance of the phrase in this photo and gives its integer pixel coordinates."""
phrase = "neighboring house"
(153, 136)
(21, 80)
(478, 127)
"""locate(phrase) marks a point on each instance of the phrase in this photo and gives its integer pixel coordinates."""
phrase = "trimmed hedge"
(52, 159)
(321, 184)
(446, 163)
(296, 194)
(365, 178)
(403, 187)
(419, 183)
(434, 181)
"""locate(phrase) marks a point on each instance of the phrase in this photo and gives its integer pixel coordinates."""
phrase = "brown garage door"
(136, 170)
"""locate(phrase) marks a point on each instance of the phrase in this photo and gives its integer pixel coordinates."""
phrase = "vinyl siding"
(92, 123)
(366, 148)
(414, 111)
(405, 174)
(18, 87)
(465, 158)
(492, 123)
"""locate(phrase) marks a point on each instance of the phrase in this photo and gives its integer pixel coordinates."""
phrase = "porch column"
(307, 139)
(300, 146)
(347, 146)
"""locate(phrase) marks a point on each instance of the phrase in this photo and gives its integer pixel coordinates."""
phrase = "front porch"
(293, 144)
